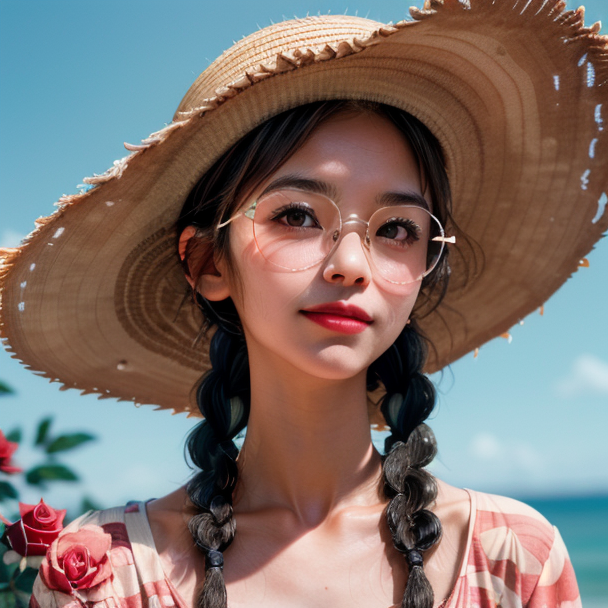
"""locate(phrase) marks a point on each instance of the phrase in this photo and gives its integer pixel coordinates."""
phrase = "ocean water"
(583, 524)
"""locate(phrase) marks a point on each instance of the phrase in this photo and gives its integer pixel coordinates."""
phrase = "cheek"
(268, 298)
(258, 289)
(398, 301)
(398, 311)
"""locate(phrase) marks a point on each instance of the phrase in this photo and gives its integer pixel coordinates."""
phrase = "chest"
(314, 571)
(273, 564)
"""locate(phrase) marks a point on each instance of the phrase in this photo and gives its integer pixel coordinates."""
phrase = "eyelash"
(413, 230)
(282, 212)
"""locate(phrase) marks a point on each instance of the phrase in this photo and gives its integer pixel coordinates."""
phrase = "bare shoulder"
(452, 506)
(444, 561)
(168, 517)
(181, 561)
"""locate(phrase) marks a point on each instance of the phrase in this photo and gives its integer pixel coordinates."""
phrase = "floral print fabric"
(514, 558)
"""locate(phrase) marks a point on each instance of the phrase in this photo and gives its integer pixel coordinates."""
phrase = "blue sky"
(79, 78)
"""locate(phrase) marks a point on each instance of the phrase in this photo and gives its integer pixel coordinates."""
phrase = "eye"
(401, 231)
(296, 215)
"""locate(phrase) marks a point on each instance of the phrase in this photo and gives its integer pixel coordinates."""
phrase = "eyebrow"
(387, 199)
(306, 184)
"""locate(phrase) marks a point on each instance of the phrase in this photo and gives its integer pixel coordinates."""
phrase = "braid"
(409, 400)
(223, 398)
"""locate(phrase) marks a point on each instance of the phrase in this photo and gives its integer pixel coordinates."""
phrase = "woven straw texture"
(517, 94)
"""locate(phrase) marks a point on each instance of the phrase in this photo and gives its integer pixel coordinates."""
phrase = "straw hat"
(517, 94)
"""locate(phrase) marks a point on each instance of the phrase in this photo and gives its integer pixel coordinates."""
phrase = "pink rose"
(6, 453)
(78, 560)
(38, 527)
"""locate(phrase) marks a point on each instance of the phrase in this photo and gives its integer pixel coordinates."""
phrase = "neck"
(308, 446)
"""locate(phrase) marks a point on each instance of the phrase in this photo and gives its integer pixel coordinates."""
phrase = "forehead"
(353, 156)
(355, 138)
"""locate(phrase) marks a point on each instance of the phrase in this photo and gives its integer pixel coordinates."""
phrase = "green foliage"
(49, 470)
(7, 491)
(68, 442)
(5, 389)
(43, 430)
(15, 584)
(38, 476)
(25, 581)
(14, 435)
(17, 579)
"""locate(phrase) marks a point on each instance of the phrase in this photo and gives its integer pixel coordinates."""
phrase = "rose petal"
(9, 469)
(42, 516)
(54, 578)
(45, 537)
(97, 575)
(16, 536)
(76, 563)
(33, 549)
(78, 560)
(24, 509)
(93, 537)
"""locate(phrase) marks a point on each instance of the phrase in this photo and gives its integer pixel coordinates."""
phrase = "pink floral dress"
(514, 558)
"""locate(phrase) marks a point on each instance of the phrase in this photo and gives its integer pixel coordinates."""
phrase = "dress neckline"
(143, 535)
(465, 556)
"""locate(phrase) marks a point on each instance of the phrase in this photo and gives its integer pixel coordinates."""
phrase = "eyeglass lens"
(297, 230)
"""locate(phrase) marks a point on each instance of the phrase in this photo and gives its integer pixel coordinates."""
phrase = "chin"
(335, 362)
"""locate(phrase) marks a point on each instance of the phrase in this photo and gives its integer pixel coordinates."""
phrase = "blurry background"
(527, 418)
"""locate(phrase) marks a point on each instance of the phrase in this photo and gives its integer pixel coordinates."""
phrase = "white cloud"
(505, 456)
(10, 238)
(527, 458)
(486, 446)
(588, 374)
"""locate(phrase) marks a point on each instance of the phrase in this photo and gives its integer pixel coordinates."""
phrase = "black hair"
(223, 395)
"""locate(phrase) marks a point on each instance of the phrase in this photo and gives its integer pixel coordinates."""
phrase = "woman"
(308, 324)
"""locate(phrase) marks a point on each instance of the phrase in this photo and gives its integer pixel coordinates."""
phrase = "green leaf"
(50, 472)
(25, 581)
(8, 600)
(68, 442)
(14, 435)
(43, 431)
(7, 491)
(5, 389)
(5, 570)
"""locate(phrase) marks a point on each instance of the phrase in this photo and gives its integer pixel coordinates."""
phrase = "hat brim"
(96, 297)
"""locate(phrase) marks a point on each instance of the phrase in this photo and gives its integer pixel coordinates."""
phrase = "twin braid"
(409, 400)
(223, 399)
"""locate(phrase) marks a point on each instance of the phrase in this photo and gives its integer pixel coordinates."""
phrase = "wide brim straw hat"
(516, 93)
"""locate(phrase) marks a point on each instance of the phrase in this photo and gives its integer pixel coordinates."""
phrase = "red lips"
(341, 309)
(340, 317)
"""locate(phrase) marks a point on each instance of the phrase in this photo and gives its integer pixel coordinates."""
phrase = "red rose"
(78, 560)
(38, 527)
(6, 453)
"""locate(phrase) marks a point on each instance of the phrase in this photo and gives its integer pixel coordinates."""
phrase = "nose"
(348, 263)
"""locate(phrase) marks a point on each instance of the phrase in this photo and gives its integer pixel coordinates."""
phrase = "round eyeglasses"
(296, 230)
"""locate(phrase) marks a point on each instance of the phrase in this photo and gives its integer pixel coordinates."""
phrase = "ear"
(200, 266)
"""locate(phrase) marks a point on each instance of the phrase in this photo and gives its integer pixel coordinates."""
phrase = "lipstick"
(339, 316)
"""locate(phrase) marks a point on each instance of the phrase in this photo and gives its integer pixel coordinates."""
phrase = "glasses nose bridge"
(358, 225)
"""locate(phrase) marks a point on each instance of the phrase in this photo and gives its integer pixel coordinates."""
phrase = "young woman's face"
(294, 319)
